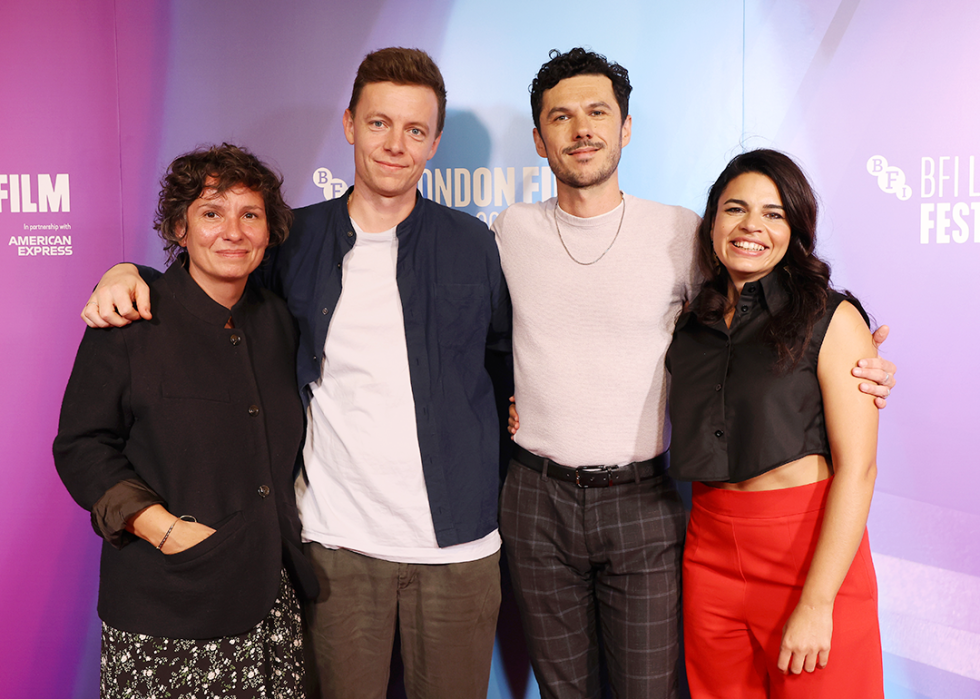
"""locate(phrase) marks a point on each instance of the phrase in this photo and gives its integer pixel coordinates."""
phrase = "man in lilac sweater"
(593, 526)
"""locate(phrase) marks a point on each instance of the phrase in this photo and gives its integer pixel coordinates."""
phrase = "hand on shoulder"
(120, 298)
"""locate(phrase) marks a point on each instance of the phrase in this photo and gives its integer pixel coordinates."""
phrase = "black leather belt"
(592, 476)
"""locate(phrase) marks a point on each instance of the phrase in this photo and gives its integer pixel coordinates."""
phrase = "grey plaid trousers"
(596, 567)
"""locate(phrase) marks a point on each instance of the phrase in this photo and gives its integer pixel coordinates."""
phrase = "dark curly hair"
(219, 168)
(804, 276)
(578, 61)
(402, 67)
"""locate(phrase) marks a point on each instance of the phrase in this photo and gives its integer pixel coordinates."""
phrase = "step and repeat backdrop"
(878, 99)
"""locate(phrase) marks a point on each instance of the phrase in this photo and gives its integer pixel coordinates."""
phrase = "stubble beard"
(579, 180)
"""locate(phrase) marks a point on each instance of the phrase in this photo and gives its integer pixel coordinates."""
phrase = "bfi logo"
(332, 186)
(891, 180)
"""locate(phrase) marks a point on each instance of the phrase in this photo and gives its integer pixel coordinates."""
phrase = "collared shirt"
(734, 414)
(455, 306)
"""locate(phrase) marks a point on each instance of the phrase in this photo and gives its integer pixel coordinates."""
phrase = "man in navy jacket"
(397, 299)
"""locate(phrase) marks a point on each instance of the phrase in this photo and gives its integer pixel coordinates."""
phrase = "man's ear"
(435, 147)
(349, 126)
(627, 130)
(539, 143)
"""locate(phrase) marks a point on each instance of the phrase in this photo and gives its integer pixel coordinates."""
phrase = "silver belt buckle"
(593, 469)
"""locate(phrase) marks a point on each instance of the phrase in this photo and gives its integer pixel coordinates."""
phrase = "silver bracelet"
(164, 539)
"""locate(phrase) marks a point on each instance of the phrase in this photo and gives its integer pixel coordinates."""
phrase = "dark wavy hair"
(578, 61)
(219, 168)
(402, 67)
(804, 276)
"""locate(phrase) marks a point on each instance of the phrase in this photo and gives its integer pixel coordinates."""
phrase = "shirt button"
(235, 339)
(339, 265)
(350, 234)
(745, 309)
(324, 311)
(263, 490)
(717, 386)
(719, 434)
(253, 410)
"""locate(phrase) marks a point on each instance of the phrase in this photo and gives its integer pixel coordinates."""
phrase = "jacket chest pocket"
(462, 313)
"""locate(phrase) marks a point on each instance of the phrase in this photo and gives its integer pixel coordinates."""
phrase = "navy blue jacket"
(455, 306)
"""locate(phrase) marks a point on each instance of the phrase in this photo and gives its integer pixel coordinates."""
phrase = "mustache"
(598, 145)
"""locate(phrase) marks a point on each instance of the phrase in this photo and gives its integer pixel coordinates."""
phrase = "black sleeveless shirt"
(733, 415)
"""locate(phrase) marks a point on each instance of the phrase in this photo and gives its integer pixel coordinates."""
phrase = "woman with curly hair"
(179, 434)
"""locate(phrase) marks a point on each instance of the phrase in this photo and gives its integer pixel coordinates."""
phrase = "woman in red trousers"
(779, 597)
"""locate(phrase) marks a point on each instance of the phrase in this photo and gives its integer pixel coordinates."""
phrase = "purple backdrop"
(877, 98)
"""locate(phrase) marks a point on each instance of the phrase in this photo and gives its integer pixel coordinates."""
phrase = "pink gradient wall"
(870, 95)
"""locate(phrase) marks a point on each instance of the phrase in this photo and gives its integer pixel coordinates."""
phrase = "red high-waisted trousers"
(745, 561)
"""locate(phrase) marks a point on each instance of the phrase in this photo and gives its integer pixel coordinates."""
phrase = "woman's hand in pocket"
(185, 535)
(155, 525)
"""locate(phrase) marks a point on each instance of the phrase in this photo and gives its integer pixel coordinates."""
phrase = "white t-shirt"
(366, 489)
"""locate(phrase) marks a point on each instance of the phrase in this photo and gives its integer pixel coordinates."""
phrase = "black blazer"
(209, 418)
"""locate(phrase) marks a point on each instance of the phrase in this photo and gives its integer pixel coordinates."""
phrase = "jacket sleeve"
(95, 422)
(499, 335)
(118, 505)
(149, 274)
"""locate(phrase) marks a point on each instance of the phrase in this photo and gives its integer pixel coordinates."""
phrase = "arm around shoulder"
(120, 298)
(878, 372)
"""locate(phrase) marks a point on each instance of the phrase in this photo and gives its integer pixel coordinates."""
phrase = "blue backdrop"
(877, 98)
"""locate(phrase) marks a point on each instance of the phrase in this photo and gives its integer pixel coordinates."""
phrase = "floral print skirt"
(265, 662)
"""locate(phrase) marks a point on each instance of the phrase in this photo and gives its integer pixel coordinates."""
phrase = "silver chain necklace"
(569, 252)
